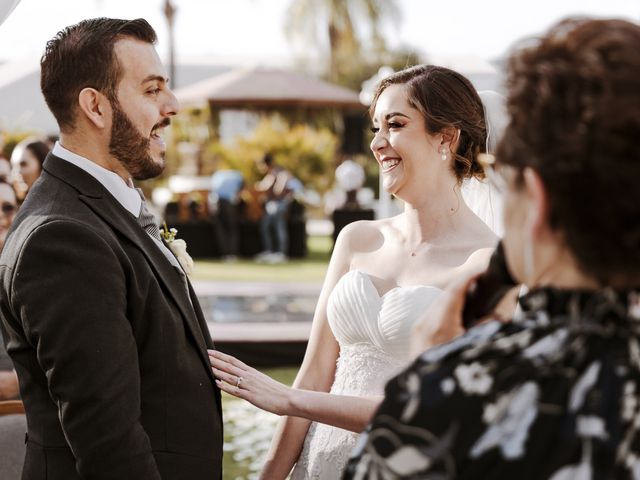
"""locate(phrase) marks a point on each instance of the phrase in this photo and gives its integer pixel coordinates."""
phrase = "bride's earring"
(443, 153)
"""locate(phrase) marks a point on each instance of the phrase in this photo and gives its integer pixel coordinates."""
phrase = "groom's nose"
(171, 106)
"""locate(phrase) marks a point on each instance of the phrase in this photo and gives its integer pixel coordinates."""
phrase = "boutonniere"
(178, 247)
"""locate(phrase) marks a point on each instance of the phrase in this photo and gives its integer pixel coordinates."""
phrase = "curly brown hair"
(574, 103)
(445, 98)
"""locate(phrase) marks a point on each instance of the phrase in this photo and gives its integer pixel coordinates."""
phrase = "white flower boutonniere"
(178, 247)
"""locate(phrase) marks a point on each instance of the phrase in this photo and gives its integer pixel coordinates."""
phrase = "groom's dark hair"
(82, 56)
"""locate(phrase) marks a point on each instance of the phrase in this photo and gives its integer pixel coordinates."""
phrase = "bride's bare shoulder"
(363, 235)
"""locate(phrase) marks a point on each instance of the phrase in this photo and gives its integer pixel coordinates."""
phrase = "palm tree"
(169, 11)
(337, 21)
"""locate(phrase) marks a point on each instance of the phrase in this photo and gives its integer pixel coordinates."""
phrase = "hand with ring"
(240, 380)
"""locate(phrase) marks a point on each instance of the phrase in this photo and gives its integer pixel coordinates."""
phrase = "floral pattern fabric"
(555, 394)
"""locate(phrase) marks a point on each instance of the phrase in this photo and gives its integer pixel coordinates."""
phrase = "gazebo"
(261, 89)
(264, 88)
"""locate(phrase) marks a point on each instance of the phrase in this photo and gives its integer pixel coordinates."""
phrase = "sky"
(252, 30)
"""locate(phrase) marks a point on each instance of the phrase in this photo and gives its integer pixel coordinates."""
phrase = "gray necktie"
(146, 220)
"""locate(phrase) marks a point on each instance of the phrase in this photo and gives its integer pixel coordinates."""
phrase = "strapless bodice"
(358, 315)
(373, 331)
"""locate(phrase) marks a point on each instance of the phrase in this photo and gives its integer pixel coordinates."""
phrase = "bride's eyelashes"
(390, 126)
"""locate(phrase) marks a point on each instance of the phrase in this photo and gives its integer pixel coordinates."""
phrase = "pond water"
(258, 308)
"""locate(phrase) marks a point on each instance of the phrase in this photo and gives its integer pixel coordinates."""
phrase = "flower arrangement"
(178, 247)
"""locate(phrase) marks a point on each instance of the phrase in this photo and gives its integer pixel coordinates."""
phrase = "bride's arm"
(343, 411)
(317, 370)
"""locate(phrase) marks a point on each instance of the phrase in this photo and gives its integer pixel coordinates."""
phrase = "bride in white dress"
(429, 127)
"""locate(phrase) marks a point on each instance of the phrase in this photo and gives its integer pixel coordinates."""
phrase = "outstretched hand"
(242, 381)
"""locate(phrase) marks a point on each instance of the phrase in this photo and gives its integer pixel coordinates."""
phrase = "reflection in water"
(265, 308)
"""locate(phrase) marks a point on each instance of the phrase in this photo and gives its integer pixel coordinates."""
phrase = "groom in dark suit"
(103, 327)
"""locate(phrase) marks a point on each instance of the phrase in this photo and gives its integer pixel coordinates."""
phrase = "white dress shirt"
(124, 192)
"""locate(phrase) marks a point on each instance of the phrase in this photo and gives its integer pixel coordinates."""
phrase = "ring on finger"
(238, 381)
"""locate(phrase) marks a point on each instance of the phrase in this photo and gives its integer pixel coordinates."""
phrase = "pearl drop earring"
(444, 154)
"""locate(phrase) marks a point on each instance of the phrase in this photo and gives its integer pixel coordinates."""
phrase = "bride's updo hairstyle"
(574, 105)
(445, 99)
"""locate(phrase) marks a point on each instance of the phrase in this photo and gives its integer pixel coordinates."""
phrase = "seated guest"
(554, 394)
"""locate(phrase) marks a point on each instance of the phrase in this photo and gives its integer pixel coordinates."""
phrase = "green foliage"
(307, 152)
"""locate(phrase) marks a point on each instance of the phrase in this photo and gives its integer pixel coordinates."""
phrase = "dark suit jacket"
(110, 353)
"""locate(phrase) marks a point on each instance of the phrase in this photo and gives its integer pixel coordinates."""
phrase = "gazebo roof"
(267, 87)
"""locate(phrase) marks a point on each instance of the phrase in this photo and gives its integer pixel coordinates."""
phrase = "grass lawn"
(312, 268)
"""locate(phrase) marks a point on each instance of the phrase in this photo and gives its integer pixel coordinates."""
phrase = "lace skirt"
(362, 370)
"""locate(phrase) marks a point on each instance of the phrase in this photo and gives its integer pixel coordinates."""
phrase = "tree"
(337, 23)
(169, 11)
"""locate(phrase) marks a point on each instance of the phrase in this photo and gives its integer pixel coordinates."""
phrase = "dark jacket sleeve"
(70, 293)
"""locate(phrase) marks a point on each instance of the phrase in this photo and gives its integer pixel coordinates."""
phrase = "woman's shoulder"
(363, 234)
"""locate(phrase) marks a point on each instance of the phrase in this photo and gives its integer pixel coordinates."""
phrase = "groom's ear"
(94, 106)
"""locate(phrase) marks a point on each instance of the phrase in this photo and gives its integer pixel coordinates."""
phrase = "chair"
(13, 427)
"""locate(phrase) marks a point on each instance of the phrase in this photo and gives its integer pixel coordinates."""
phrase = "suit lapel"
(109, 209)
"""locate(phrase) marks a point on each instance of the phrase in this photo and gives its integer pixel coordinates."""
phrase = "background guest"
(27, 159)
(5, 169)
(556, 393)
(227, 185)
(277, 196)
(8, 207)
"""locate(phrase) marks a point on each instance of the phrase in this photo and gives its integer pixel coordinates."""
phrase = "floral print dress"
(553, 395)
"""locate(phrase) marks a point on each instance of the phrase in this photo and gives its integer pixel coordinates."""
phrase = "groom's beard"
(131, 148)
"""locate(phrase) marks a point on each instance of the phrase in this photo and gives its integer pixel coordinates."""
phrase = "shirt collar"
(123, 192)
